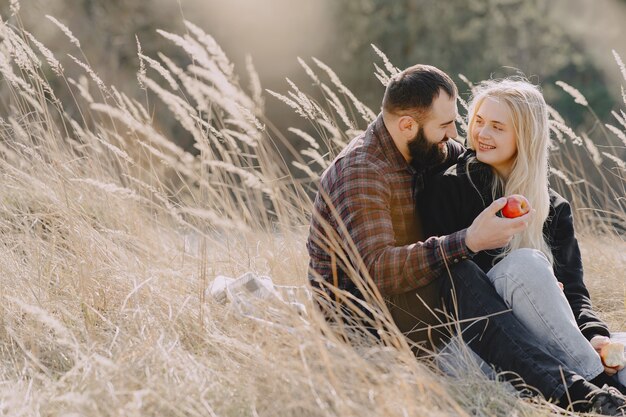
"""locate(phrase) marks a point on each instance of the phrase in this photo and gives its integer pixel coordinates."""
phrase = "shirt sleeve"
(363, 213)
(568, 269)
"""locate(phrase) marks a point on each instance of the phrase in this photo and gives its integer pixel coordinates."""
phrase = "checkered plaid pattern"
(364, 219)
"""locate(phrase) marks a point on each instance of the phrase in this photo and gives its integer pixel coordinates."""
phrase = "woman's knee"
(528, 267)
(525, 259)
(527, 256)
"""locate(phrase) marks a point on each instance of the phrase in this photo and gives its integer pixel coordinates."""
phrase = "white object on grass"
(246, 291)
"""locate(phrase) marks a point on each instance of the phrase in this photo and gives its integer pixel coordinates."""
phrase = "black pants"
(500, 339)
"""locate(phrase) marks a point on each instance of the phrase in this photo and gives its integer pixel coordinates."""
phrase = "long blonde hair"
(529, 174)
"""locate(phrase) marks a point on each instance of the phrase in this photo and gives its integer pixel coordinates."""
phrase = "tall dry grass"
(110, 234)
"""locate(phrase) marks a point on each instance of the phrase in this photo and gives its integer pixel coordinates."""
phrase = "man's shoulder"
(362, 156)
(364, 151)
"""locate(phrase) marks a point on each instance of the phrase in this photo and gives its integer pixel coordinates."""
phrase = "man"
(365, 237)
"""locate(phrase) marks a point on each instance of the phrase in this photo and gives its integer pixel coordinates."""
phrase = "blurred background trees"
(569, 40)
(476, 38)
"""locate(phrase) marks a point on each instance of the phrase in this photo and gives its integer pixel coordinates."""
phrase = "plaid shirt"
(366, 205)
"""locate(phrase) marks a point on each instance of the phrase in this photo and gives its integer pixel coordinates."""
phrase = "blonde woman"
(539, 274)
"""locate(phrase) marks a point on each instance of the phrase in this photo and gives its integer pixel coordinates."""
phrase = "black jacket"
(450, 203)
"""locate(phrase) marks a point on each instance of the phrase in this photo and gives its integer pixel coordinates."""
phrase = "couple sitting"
(432, 241)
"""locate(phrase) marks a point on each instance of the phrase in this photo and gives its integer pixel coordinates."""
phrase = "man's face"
(428, 146)
(424, 152)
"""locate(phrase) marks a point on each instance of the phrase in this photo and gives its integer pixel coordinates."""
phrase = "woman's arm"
(568, 269)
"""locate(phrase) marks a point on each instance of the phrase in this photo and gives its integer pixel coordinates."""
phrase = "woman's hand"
(598, 342)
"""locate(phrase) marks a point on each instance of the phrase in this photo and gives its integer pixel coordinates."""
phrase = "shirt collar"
(388, 146)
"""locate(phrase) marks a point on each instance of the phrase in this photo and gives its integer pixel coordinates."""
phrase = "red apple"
(516, 205)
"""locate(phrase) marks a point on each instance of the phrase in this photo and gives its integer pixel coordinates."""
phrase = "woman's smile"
(484, 147)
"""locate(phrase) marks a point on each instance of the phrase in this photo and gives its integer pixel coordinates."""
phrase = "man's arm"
(362, 206)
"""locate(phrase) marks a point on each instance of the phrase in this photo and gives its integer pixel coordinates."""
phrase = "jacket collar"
(479, 173)
(388, 146)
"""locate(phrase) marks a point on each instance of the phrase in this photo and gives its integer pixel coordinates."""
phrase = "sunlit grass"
(110, 234)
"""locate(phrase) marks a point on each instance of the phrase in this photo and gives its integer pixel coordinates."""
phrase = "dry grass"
(604, 263)
(110, 234)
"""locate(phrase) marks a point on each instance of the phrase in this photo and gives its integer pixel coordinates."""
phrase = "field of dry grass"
(110, 235)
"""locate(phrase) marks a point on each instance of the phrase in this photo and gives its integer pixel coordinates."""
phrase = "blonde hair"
(529, 174)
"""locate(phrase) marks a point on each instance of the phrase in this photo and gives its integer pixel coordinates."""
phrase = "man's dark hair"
(412, 91)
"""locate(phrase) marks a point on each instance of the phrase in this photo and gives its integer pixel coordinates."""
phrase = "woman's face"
(493, 136)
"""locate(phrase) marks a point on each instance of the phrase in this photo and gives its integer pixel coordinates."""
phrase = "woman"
(508, 140)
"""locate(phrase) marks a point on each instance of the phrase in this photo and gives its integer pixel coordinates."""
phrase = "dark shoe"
(607, 401)
(612, 381)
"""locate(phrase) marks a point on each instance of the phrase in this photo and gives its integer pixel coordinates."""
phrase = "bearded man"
(365, 231)
(366, 202)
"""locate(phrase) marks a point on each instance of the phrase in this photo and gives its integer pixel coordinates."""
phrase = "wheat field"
(110, 235)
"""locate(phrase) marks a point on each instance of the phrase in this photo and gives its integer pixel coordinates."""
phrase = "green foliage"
(476, 38)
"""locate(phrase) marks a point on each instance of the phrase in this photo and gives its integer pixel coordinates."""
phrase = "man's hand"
(489, 231)
(597, 342)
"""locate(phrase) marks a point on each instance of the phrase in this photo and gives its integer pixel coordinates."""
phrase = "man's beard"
(425, 154)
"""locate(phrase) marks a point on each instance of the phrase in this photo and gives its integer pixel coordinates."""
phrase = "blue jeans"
(525, 281)
(492, 330)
